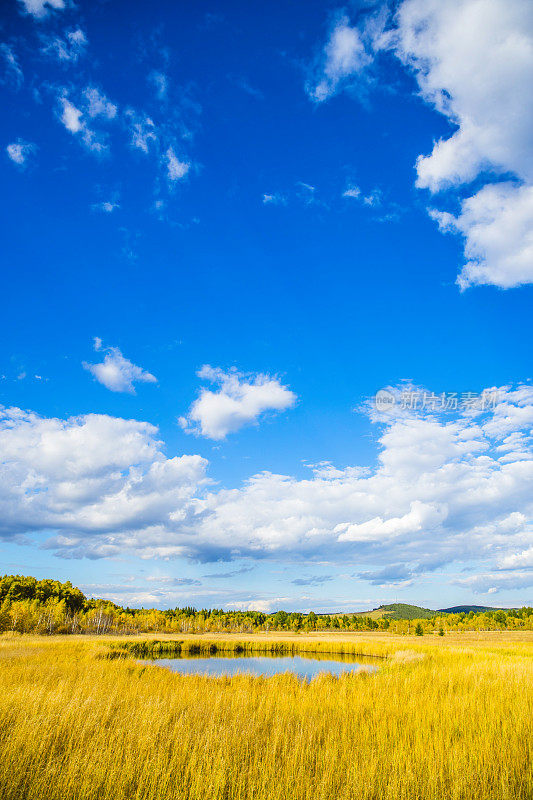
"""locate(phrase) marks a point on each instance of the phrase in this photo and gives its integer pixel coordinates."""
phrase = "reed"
(157, 648)
(439, 720)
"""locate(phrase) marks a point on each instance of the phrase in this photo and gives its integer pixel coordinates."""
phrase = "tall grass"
(150, 648)
(436, 722)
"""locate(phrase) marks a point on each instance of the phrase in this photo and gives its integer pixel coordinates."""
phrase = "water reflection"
(304, 666)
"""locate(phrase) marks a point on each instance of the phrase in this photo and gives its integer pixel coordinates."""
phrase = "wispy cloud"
(40, 8)
(20, 151)
(107, 206)
(343, 59)
(230, 574)
(315, 580)
(13, 73)
(67, 49)
(176, 169)
(78, 118)
(275, 199)
(159, 81)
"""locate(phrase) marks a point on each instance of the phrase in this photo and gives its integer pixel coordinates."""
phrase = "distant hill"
(467, 609)
(398, 611)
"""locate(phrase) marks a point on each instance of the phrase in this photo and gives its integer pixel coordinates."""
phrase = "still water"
(306, 667)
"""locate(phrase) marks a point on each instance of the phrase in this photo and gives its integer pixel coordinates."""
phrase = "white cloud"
(255, 604)
(92, 105)
(71, 116)
(176, 169)
(142, 129)
(20, 151)
(518, 560)
(441, 492)
(473, 61)
(91, 475)
(13, 74)
(107, 206)
(240, 400)
(492, 583)
(97, 104)
(275, 199)
(160, 83)
(373, 199)
(116, 372)
(302, 193)
(69, 49)
(343, 58)
(352, 191)
(40, 8)
(497, 223)
(449, 46)
(420, 516)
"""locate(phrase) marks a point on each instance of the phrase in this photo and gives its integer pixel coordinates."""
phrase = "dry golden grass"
(456, 723)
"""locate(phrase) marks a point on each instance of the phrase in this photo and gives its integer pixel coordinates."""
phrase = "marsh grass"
(435, 722)
(158, 648)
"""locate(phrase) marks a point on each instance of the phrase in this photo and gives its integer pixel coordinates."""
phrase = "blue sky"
(225, 228)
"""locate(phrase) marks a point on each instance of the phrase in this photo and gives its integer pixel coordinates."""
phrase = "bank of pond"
(215, 659)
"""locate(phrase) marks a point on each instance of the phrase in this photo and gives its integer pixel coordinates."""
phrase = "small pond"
(305, 666)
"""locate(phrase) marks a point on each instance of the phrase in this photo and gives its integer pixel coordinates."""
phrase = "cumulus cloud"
(448, 46)
(90, 475)
(239, 400)
(20, 151)
(497, 223)
(116, 372)
(40, 8)
(266, 606)
(442, 492)
(421, 516)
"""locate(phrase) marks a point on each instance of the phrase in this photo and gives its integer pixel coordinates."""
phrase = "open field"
(446, 717)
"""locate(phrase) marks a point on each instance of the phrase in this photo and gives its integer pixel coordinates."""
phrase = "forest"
(28, 605)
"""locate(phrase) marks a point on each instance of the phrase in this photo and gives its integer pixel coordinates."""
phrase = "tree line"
(28, 605)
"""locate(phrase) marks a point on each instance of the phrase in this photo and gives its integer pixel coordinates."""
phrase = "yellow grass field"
(448, 717)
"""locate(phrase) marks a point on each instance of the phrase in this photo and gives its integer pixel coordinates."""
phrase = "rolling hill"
(398, 611)
(467, 609)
